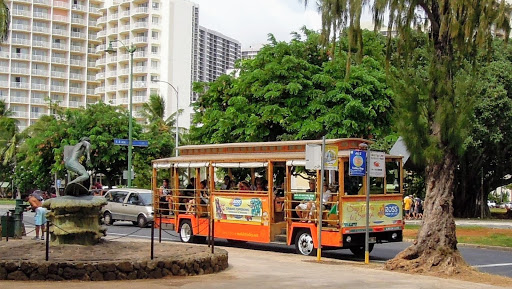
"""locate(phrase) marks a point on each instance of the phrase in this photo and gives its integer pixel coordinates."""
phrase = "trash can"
(7, 226)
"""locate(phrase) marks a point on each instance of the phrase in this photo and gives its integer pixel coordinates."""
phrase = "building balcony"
(124, 86)
(59, 74)
(93, 36)
(76, 90)
(40, 72)
(125, 71)
(139, 99)
(80, 35)
(100, 75)
(21, 27)
(61, 32)
(112, 31)
(112, 88)
(20, 41)
(39, 86)
(113, 17)
(124, 28)
(22, 85)
(91, 77)
(42, 2)
(39, 43)
(120, 101)
(19, 99)
(112, 73)
(140, 54)
(19, 70)
(102, 20)
(36, 114)
(76, 76)
(140, 84)
(90, 91)
(60, 18)
(40, 58)
(76, 104)
(91, 64)
(4, 83)
(19, 114)
(76, 48)
(100, 61)
(37, 100)
(112, 59)
(99, 90)
(59, 60)
(124, 57)
(100, 48)
(4, 69)
(140, 69)
(101, 33)
(41, 15)
(79, 7)
(140, 39)
(77, 62)
(78, 21)
(139, 25)
(61, 4)
(58, 88)
(125, 14)
(94, 10)
(139, 11)
(59, 46)
(19, 12)
(4, 54)
(21, 56)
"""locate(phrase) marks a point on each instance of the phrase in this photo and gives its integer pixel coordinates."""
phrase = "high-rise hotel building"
(56, 50)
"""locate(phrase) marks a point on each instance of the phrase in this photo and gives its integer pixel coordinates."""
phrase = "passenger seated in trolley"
(244, 186)
(305, 208)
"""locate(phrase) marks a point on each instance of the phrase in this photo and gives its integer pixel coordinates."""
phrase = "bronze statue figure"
(72, 163)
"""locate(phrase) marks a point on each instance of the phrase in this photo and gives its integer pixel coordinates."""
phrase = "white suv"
(491, 204)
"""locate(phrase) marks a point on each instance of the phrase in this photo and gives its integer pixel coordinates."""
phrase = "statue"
(72, 163)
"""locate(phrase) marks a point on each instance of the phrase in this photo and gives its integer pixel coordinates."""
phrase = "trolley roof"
(256, 152)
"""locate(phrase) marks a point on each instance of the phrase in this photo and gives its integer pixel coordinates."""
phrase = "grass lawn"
(7, 202)
(472, 235)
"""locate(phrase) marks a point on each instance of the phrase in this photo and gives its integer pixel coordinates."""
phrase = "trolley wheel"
(359, 251)
(142, 222)
(107, 219)
(186, 233)
(304, 243)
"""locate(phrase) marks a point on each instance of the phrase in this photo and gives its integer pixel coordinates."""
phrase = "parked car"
(128, 204)
(491, 204)
(508, 206)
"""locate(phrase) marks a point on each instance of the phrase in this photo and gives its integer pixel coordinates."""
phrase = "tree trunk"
(435, 249)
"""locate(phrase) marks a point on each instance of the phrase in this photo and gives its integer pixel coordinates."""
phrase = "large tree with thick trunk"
(433, 104)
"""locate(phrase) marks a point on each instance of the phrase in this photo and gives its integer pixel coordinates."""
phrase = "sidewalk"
(262, 269)
(501, 224)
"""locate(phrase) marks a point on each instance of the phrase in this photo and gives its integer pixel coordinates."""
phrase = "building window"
(155, 20)
(156, 5)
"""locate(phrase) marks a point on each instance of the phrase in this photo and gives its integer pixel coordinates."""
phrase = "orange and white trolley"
(259, 192)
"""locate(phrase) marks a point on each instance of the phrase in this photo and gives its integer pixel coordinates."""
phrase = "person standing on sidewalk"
(35, 202)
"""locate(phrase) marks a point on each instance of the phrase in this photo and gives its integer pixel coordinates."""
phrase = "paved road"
(486, 260)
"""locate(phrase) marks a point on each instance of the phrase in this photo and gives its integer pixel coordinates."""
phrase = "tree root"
(440, 261)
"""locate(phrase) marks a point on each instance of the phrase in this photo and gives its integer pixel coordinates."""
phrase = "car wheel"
(359, 251)
(186, 233)
(142, 221)
(107, 219)
(304, 243)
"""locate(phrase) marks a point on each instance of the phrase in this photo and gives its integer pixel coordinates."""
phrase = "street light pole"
(177, 110)
(130, 50)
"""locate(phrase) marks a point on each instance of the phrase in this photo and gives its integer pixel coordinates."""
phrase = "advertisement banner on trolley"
(245, 210)
(381, 213)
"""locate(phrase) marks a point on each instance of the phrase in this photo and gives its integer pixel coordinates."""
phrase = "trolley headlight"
(394, 236)
(348, 239)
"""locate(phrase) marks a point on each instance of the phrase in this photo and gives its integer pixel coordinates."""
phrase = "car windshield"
(145, 198)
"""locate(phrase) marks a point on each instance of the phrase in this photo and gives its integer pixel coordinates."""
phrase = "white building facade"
(55, 53)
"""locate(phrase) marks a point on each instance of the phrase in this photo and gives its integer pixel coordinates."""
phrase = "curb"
(496, 248)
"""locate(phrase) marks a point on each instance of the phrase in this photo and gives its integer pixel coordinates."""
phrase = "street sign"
(357, 163)
(377, 164)
(313, 157)
(135, 143)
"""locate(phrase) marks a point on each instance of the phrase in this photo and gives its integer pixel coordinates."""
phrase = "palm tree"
(4, 21)
(154, 111)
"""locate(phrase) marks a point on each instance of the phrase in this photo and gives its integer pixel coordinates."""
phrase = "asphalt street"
(493, 261)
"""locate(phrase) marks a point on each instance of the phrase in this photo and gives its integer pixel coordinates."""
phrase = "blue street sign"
(357, 163)
(136, 143)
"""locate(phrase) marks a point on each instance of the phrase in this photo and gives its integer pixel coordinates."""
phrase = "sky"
(250, 21)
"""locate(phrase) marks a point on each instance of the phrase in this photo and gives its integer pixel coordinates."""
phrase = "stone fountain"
(75, 217)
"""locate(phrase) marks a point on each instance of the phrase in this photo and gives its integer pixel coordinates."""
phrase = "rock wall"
(203, 263)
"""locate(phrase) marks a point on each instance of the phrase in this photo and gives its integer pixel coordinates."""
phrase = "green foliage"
(293, 91)
(5, 19)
